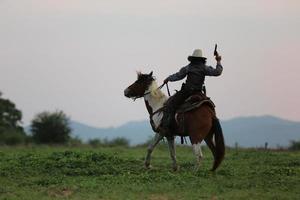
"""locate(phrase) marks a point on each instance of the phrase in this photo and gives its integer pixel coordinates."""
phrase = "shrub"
(295, 145)
(119, 141)
(75, 141)
(12, 137)
(95, 142)
(51, 128)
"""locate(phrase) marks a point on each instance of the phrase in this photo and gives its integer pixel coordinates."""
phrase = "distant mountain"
(245, 131)
(255, 131)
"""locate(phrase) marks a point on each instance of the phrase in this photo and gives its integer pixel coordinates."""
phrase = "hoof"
(147, 166)
(176, 168)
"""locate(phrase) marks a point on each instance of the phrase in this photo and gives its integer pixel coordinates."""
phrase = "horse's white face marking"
(156, 99)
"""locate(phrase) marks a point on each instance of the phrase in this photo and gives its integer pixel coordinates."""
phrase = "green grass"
(118, 173)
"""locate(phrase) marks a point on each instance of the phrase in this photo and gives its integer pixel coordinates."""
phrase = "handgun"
(216, 52)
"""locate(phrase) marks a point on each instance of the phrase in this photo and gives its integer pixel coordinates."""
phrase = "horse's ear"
(138, 73)
(151, 73)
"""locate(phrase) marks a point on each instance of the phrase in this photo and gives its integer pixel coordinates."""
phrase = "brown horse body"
(199, 124)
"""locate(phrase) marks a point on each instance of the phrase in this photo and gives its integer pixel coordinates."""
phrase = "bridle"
(146, 93)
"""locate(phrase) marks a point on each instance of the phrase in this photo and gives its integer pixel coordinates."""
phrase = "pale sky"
(79, 55)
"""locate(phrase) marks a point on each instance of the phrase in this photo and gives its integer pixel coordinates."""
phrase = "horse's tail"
(219, 142)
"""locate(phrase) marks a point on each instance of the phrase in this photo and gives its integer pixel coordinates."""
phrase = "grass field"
(118, 173)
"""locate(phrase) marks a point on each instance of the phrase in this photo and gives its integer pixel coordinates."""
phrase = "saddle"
(191, 103)
(194, 102)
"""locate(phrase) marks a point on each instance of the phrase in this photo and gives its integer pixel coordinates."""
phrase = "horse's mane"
(155, 91)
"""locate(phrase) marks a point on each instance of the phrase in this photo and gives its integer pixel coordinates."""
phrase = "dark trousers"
(172, 105)
(176, 100)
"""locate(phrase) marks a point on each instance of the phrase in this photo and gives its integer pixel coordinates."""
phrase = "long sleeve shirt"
(195, 74)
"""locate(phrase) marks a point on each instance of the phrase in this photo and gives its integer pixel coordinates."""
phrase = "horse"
(200, 123)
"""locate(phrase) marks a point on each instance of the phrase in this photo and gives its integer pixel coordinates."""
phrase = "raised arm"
(210, 71)
(177, 76)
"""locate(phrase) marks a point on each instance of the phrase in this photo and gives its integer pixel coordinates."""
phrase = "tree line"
(45, 128)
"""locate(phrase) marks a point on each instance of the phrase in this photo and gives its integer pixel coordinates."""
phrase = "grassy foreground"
(118, 173)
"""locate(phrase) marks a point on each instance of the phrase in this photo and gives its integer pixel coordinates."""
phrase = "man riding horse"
(195, 72)
(196, 118)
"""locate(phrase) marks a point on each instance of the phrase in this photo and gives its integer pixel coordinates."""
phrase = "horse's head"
(140, 86)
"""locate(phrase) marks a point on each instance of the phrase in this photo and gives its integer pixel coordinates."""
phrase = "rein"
(168, 89)
(146, 93)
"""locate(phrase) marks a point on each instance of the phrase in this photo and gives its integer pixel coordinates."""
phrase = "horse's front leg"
(151, 147)
(171, 143)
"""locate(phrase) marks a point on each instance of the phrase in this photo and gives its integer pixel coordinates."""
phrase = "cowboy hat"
(196, 54)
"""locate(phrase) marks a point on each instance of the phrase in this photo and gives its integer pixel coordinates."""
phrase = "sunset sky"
(79, 55)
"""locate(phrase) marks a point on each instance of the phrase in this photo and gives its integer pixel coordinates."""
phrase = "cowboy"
(195, 72)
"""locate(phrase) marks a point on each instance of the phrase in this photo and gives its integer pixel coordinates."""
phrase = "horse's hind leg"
(151, 147)
(171, 144)
(198, 153)
(199, 126)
